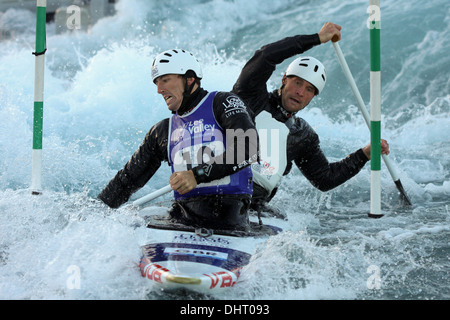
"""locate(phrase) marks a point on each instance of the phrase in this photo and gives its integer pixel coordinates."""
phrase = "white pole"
(389, 164)
(375, 109)
(36, 175)
(152, 196)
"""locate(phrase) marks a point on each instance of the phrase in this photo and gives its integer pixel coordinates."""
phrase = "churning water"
(100, 102)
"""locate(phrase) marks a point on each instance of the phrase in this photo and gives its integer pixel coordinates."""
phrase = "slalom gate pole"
(375, 110)
(389, 164)
(36, 175)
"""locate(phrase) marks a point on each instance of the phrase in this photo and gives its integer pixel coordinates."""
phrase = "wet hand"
(182, 181)
(330, 31)
(384, 149)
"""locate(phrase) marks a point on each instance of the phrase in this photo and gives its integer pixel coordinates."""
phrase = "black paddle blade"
(403, 194)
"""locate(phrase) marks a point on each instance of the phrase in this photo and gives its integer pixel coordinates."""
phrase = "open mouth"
(295, 101)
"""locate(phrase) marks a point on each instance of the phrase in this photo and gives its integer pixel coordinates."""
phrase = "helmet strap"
(188, 88)
(187, 92)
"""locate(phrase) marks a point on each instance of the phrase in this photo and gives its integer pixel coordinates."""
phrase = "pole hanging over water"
(36, 175)
(374, 24)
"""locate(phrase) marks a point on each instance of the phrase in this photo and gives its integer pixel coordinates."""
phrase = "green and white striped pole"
(362, 107)
(375, 109)
(36, 175)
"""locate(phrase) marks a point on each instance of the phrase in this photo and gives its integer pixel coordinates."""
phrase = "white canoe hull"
(196, 261)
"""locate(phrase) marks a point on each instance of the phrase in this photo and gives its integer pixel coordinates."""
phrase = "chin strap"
(186, 94)
(188, 89)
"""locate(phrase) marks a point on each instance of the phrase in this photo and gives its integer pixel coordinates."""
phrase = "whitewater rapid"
(99, 103)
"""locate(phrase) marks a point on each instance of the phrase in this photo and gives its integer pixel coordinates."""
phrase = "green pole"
(375, 108)
(36, 178)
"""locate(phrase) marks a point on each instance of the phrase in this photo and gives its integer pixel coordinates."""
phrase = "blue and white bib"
(194, 139)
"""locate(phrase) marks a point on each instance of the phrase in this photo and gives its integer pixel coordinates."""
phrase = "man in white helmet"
(207, 142)
(304, 79)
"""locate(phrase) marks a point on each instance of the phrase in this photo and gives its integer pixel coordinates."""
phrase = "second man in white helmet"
(303, 80)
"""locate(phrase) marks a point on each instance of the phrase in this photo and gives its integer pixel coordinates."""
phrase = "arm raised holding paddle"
(330, 31)
(304, 79)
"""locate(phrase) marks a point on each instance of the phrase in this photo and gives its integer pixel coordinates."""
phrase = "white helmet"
(309, 69)
(175, 61)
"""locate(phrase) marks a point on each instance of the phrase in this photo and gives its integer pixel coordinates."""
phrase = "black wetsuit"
(210, 211)
(303, 145)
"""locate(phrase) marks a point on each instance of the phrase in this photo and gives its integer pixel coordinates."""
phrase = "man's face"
(171, 87)
(296, 94)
